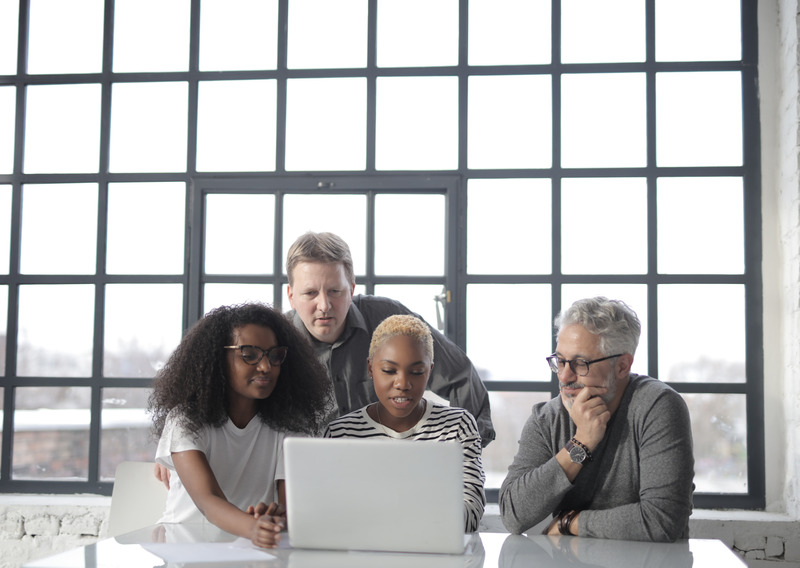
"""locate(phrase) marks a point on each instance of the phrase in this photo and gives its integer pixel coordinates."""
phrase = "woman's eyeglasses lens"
(252, 355)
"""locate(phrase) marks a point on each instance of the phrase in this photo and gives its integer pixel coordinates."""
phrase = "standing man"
(340, 325)
(611, 457)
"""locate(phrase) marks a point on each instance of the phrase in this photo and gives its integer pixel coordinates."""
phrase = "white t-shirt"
(246, 463)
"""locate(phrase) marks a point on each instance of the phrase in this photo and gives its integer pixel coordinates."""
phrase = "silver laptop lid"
(380, 495)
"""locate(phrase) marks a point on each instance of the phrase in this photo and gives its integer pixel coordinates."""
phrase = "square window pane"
(635, 295)
(325, 34)
(148, 127)
(59, 229)
(394, 255)
(688, 353)
(144, 42)
(509, 32)
(62, 129)
(699, 119)
(510, 122)
(499, 213)
(708, 236)
(51, 433)
(125, 433)
(9, 26)
(417, 123)
(602, 32)
(238, 35)
(719, 434)
(55, 346)
(344, 215)
(155, 247)
(5, 233)
(3, 332)
(419, 298)
(510, 412)
(326, 124)
(8, 101)
(698, 30)
(615, 247)
(526, 341)
(607, 129)
(240, 136)
(432, 25)
(219, 294)
(237, 240)
(142, 327)
(65, 36)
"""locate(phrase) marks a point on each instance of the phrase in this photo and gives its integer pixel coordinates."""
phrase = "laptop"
(375, 495)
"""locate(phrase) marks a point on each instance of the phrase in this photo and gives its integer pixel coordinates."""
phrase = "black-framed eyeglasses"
(579, 366)
(252, 354)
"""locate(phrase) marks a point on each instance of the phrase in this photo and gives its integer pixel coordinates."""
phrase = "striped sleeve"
(474, 477)
(450, 423)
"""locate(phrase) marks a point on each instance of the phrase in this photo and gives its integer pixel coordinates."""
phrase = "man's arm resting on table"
(536, 482)
(528, 499)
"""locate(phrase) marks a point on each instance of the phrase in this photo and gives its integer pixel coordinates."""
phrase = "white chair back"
(137, 500)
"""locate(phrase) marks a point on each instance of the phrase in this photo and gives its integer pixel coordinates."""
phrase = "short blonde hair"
(408, 325)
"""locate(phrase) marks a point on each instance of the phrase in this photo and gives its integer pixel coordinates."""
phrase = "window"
(516, 156)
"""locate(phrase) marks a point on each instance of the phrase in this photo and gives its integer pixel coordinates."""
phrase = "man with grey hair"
(611, 456)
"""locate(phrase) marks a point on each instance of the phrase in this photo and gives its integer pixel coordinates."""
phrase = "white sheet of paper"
(235, 551)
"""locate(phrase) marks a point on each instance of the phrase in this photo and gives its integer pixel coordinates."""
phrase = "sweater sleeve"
(666, 471)
(536, 483)
(474, 476)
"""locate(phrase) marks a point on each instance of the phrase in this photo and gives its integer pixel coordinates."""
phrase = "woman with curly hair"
(240, 381)
(400, 362)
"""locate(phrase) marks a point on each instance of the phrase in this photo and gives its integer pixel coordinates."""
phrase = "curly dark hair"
(195, 378)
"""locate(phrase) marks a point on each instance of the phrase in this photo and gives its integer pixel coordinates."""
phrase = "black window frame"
(456, 277)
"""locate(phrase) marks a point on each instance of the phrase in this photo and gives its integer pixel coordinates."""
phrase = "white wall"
(779, 66)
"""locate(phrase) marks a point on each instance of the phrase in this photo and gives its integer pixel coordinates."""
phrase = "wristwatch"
(578, 453)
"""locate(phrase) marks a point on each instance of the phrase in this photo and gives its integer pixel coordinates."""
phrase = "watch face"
(577, 454)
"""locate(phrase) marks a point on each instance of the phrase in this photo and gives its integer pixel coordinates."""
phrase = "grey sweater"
(639, 484)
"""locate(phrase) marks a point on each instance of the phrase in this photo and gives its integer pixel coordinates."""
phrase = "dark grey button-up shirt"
(454, 378)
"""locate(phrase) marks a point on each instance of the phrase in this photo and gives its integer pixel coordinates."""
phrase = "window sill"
(79, 500)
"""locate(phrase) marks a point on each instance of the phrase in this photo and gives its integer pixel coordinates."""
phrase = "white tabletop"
(205, 546)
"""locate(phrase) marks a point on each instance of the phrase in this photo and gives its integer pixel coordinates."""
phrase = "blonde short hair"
(408, 325)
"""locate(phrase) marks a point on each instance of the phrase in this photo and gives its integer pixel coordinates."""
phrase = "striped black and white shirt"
(439, 423)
